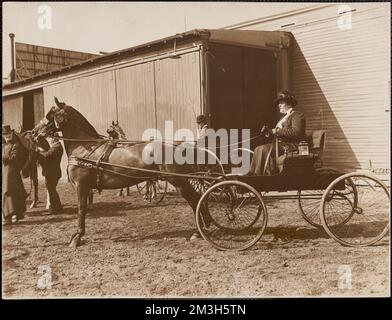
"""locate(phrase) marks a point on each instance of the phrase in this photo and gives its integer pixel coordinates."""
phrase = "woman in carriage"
(289, 131)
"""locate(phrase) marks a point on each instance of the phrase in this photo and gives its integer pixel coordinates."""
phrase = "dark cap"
(286, 96)
(7, 129)
(201, 118)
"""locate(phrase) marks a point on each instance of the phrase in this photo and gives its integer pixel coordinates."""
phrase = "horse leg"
(90, 199)
(83, 194)
(192, 197)
(128, 193)
(47, 200)
(35, 193)
(189, 193)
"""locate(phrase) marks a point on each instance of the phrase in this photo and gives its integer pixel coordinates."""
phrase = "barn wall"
(136, 99)
(39, 108)
(140, 96)
(177, 89)
(93, 96)
(13, 108)
(342, 79)
(13, 111)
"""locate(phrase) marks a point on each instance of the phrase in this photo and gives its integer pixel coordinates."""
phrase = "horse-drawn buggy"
(230, 209)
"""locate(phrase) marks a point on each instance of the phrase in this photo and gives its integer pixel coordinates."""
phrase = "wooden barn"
(336, 61)
(232, 76)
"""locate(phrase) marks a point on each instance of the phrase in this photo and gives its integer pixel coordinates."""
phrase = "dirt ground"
(135, 250)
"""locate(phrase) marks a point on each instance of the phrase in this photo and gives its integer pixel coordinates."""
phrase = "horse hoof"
(33, 205)
(195, 236)
(75, 242)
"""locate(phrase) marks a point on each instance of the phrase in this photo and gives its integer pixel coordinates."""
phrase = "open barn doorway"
(242, 87)
(28, 111)
(33, 108)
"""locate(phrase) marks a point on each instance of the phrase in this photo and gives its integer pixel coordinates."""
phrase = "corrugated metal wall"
(342, 79)
(13, 111)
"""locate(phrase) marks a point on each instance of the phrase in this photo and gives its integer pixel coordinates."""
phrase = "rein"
(92, 164)
(125, 141)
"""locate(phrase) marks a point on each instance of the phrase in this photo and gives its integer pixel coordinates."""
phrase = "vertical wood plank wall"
(12, 111)
(140, 96)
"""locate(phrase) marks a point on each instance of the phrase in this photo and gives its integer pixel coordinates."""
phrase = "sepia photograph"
(196, 150)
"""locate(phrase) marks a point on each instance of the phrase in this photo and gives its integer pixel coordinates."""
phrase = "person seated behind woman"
(14, 193)
(290, 130)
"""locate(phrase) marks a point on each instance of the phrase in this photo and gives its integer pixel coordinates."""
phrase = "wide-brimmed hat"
(7, 129)
(201, 118)
(286, 96)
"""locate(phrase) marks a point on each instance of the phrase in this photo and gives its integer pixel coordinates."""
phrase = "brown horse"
(75, 128)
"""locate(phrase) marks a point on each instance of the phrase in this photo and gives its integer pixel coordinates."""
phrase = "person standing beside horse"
(14, 193)
(30, 169)
(50, 161)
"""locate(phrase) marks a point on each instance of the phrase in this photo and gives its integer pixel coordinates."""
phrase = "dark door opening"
(242, 88)
(28, 111)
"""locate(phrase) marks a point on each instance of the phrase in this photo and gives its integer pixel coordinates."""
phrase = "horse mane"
(80, 121)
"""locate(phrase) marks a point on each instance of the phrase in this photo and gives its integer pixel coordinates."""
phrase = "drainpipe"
(13, 72)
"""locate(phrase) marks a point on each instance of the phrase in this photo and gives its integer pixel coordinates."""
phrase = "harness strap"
(88, 163)
(107, 151)
(99, 188)
(95, 149)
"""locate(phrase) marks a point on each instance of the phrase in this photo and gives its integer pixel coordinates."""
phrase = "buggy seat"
(294, 162)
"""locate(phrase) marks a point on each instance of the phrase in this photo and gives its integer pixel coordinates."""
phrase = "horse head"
(52, 121)
(63, 117)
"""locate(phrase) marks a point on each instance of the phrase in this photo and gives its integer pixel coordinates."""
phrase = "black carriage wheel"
(309, 202)
(233, 199)
(370, 220)
(236, 220)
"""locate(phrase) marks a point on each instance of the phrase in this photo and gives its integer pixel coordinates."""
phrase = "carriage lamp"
(303, 148)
